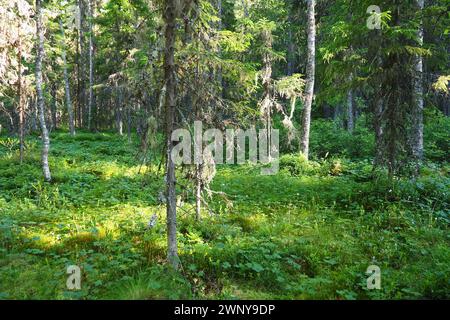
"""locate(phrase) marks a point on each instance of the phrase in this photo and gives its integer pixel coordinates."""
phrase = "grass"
(309, 232)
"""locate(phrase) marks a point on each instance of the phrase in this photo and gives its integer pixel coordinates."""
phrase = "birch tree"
(91, 64)
(310, 76)
(39, 92)
(417, 112)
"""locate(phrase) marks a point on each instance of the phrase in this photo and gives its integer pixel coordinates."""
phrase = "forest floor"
(289, 236)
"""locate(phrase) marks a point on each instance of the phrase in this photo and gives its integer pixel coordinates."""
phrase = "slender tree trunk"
(187, 39)
(417, 114)
(19, 92)
(198, 166)
(82, 67)
(54, 108)
(40, 96)
(350, 119)
(267, 85)
(219, 69)
(91, 64)
(129, 123)
(310, 76)
(119, 110)
(170, 100)
(66, 83)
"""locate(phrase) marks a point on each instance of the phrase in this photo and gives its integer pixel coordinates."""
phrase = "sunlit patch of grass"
(250, 223)
(41, 241)
(83, 238)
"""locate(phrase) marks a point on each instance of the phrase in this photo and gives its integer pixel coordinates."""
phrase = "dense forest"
(116, 183)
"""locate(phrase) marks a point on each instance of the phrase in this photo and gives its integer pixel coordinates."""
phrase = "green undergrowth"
(308, 232)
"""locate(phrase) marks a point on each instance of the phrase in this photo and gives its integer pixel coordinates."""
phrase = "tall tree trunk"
(417, 114)
(66, 83)
(91, 64)
(219, 69)
(77, 62)
(170, 100)
(350, 119)
(310, 75)
(378, 109)
(267, 103)
(21, 98)
(82, 67)
(40, 96)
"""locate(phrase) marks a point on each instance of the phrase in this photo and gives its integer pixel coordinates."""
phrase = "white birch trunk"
(40, 96)
(417, 114)
(310, 76)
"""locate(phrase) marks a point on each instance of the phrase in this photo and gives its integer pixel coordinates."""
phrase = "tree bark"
(81, 68)
(66, 83)
(78, 93)
(417, 114)
(91, 64)
(350, 118)
(310, 75)
(21, 98)
(119, 110)
(170, 100)
(40, 97)
(267, 85)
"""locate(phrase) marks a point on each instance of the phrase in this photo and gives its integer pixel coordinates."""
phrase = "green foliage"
(437, 144)
(308, 232)
(297, 165)
(327, 139)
